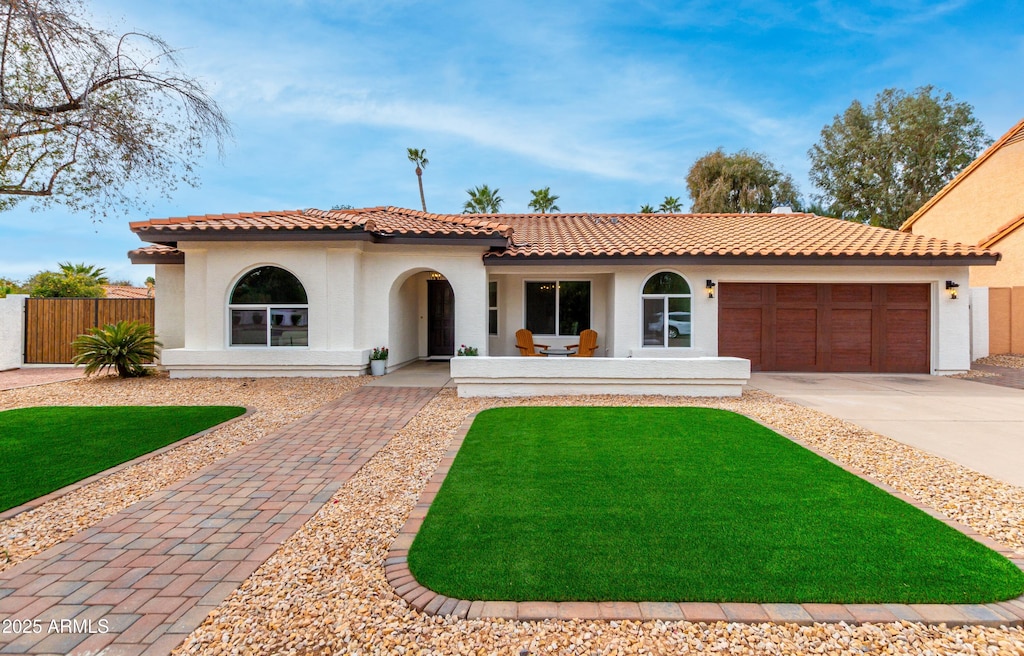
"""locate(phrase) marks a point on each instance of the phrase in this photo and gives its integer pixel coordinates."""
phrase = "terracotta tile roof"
(126, 291)
(585, 235)
(1003, 231)
(714, 234)
(1015, 134)
(156, 254)
(378, 220)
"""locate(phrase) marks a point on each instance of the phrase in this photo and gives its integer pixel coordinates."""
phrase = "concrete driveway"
(979, 426)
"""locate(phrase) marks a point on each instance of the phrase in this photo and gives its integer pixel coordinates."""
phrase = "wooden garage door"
(818, 327)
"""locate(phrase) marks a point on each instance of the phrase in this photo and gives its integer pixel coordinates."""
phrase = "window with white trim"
(665, 313)
(269, 307)
(557, 307)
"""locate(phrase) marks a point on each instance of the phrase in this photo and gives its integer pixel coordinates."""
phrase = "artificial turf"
(43, 449)
(680, 504)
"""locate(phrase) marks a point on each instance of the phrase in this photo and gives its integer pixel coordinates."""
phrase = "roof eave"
(138, 257)
(749, 260)
(170, 238)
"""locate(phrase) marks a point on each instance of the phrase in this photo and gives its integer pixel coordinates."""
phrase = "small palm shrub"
(126, 346)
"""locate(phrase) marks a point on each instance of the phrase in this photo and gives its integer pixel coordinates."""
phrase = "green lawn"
(44, 449)
(680, 504)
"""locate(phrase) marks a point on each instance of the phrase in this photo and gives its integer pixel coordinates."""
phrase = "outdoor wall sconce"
(951, 288)
(709, 287)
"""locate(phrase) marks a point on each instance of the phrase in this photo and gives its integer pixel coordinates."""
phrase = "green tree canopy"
(646, 209)
(99, 274)
(64, 284)
(543, 201)
(743, 182)
(671, 205)
(879, 164)
(418, 156)
(8, 286)
(482, 201)
(90, 119)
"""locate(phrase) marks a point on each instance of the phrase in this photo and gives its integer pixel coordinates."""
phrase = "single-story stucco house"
(311, 292)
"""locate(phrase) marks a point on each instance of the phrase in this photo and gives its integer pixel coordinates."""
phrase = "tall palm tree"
(97, 274)
(543, 202)
(670, 205)
(646, 209)
(482, 201)
(419, 158)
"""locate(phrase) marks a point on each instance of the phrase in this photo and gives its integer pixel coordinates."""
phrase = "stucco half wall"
(513, 376)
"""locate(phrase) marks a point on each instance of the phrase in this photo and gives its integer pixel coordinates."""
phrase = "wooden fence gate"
(51, 324)
(1005, 320)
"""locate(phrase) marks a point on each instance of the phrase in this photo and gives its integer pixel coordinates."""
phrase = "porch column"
(470, 288)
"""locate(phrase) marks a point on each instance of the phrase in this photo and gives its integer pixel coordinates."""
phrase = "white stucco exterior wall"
(979, 322)
(12, 331)
(950, 319)
(169, 312)
(359, 296)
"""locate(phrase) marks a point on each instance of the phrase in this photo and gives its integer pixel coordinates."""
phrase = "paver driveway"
(976, 425)
(154, 571)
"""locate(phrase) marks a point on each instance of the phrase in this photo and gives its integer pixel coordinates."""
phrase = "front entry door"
(440, 319)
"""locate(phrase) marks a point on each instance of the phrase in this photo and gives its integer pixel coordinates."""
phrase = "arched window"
(269, 308)
(666, 311)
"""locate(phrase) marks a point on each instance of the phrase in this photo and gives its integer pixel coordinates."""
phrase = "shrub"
(380, 353)
(126, 346)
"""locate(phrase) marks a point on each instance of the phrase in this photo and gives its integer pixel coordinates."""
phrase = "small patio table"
(558, 352)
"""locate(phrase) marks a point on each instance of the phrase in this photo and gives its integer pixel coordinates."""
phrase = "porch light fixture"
(709, 287)
(435, 276)
(951, 287)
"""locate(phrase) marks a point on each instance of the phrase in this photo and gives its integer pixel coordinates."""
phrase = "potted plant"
(468, 350)
(379, 360)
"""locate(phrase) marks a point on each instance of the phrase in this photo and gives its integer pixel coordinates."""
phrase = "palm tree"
(670, 205)
(646, 209)
(543, 202)
(482, 201)
(97, 274)
(419, 158)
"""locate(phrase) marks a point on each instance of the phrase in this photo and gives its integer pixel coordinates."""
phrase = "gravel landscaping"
(277, 402)
(1010, 360)
(325, 591)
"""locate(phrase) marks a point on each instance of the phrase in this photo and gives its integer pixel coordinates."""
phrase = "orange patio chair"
(524, 342)
(587, 345)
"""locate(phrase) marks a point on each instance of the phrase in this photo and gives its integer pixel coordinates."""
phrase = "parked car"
(678, 324)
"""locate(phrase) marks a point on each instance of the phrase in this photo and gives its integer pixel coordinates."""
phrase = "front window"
(558, 307)
(666, 311)
(492, 308)
(269, 308)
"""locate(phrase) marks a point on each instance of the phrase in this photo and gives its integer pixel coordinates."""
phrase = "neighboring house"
(310, 292)
(126, 291)
(984, 205)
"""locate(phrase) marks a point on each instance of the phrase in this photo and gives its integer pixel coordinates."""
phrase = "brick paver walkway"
(143, 579)
(1004, 376)
(32, 376)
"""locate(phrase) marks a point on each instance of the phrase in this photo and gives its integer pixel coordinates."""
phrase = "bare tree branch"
(87, 116)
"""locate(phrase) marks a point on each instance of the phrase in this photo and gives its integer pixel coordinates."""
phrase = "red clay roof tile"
(595, 235)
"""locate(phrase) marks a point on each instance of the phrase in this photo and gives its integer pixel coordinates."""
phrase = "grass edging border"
(46, 498)
(396, 570)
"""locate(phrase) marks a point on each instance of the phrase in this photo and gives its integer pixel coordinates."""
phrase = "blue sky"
(608, 103)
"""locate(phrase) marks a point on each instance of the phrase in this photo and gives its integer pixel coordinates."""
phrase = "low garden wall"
(12, 331)
(517, 376)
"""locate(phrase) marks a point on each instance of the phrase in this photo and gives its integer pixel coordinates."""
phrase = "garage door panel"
(906, 346)
(827, 327)
(796, 295)
(796, 343)
(851, 340)
(844, 294)
(914, 295)
(741, 337)
(740, 293)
